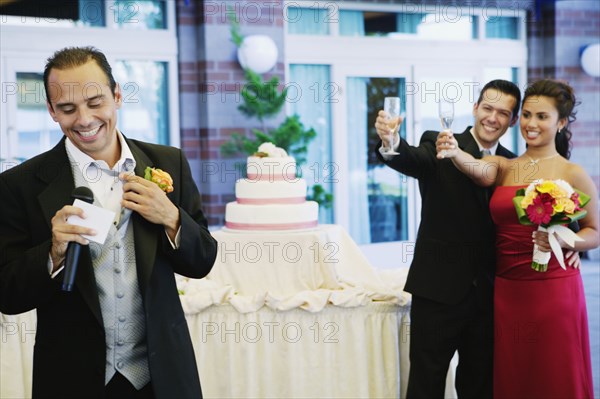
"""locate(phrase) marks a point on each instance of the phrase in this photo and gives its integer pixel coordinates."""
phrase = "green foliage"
(321, 196)
(290, 135)
(261, 99)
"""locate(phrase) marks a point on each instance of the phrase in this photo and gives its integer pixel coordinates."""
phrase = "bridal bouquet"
(550, 204)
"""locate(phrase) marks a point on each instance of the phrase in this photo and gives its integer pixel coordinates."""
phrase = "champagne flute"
(391, 105)
(446, 114)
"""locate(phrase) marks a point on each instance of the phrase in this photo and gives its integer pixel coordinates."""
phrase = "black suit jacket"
(69, 354)
(455, 241)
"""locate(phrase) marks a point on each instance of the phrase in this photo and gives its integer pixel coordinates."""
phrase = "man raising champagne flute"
(452, 271)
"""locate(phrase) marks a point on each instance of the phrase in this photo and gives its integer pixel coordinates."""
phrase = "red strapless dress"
(541, 347)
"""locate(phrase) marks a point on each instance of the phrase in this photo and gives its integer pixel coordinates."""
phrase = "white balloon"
(258, 53)
(590, 60)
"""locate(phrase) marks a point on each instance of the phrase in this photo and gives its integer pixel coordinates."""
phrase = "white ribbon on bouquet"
(555, 231)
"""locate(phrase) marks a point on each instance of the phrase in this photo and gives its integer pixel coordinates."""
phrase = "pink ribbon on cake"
(271, 226)
(271, 201)
(276, 177)
(256, 171)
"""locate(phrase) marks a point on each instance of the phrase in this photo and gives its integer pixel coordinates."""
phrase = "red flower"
(540, 211)
(576, 201)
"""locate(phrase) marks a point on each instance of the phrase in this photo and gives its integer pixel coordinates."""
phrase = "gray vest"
(120, 299)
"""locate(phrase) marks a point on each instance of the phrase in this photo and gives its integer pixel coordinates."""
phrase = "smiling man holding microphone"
(120, 332)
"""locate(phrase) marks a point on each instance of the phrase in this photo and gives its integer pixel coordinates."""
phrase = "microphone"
(74, 248)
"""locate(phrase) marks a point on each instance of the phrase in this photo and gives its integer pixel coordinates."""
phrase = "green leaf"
(583, 198)
(322, 197)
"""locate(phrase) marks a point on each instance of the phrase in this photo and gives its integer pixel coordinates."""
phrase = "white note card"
(97, 218)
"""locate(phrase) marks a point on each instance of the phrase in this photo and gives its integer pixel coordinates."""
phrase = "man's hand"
(147, 199)
(63, 233)
(388, 128)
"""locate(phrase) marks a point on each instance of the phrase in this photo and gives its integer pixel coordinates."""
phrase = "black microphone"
(74, 248)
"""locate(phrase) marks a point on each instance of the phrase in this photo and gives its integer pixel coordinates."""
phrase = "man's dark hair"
(505, 87)
(71, 57)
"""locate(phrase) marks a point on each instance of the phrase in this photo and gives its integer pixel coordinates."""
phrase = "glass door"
(371, 200)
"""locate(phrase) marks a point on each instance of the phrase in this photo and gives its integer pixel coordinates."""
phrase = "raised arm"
(483, 172)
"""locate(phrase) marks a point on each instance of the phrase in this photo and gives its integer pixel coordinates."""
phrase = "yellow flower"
(546, 186)
(160, 177)
(558, 193)
(564, 205)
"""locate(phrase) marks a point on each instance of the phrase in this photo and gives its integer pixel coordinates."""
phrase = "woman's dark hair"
(564, 101)
(505, 87)
(72, 57)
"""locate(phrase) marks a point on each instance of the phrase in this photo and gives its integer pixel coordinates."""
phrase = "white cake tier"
(271, 168)
(261, 192)
(271, 217)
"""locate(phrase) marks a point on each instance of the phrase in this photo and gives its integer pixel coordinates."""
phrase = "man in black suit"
(451, 275)
(121, 332)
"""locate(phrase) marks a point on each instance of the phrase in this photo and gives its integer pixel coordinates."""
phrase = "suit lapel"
(468, 143)
(145, 233)
(57, 194)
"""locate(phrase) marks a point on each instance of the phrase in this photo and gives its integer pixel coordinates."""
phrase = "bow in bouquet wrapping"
(550, 204)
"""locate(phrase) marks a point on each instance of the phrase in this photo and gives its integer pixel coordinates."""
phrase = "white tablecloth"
(281, 315)
(307, 269)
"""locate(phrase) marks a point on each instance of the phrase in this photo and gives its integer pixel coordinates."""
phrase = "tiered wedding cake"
(271, 197)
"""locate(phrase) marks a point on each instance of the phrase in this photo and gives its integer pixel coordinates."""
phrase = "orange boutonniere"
(160, 177)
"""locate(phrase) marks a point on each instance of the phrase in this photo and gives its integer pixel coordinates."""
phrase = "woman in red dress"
(541, 347)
